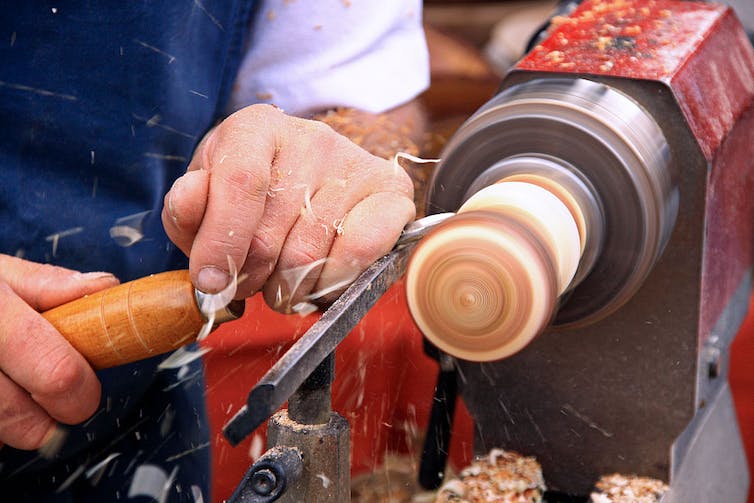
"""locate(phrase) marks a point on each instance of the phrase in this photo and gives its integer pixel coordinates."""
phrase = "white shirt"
(307, 56)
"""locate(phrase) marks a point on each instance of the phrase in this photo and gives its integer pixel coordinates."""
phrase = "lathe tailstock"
(641, 112)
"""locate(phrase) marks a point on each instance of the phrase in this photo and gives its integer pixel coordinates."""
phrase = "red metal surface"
(698, 49)
(716, 85)
(636, 39)
(730, 212)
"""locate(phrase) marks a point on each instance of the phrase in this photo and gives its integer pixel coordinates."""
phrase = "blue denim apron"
(101, 106)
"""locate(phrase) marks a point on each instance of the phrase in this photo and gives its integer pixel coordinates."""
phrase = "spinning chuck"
(561, 186)
(485, 282)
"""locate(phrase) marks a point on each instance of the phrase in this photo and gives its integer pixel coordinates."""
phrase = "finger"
(360, 174)
(307, 244)
(45, 286)
(37, 358)
(309, 240)
(320, 222)
(23, 423)
(294, 178)
(278, 218)
(365, 237)
(238, 158)
(184, 208)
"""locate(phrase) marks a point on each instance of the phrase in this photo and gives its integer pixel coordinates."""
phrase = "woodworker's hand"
(276, 194)
(43, 380)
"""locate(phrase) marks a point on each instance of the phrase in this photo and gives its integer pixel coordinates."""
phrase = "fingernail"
(171, 208)
(212, 280)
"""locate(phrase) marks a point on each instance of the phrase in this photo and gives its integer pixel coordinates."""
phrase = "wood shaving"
(502, 476)
(618, 488)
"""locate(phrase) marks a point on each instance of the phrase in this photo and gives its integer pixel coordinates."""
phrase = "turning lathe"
(600, 261)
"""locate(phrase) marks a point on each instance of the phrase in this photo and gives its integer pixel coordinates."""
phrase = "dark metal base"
(325, 448)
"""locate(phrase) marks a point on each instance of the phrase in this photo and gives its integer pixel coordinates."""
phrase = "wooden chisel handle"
(135, 320)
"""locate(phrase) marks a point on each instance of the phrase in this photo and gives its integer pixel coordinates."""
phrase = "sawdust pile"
(500, 477)
(618, 488)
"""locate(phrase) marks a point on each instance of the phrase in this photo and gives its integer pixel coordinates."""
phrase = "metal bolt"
(713, 358)
(263, 482)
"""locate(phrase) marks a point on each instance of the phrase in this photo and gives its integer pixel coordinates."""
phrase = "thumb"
(44, 286)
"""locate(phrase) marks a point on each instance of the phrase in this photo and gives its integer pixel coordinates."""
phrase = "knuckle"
(362, 252)
(387, 178)
(261, 110)
(251, 183)
(294, 276)
(404, 184)
(33, 435)
(252, 115)
(264, 249)
(318, 137)
(22, 426)
(27, 434)
(222, 246)
(302, 254)
(60, 373)
(319, 128)
(267, 110)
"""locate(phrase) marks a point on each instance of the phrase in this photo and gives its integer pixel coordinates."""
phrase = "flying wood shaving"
(207, 327)
(272, 192)
(187, 452)
(325, 480)
(304, 308)
(53, 445)
(129, 230)
(416, 160)
(296, 275)
(152, 481)
(256, 447)
(212, 303)
(166, 424)
(196, 492)
(279, 296)
(338, 226)
(125, 236)
(54, 238)
(181, 357)
(99, 468)
(71, 479)
(330, 289)
(183, 380)
(182, 372)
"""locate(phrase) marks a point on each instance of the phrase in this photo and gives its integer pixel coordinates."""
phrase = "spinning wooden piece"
(486, 282)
